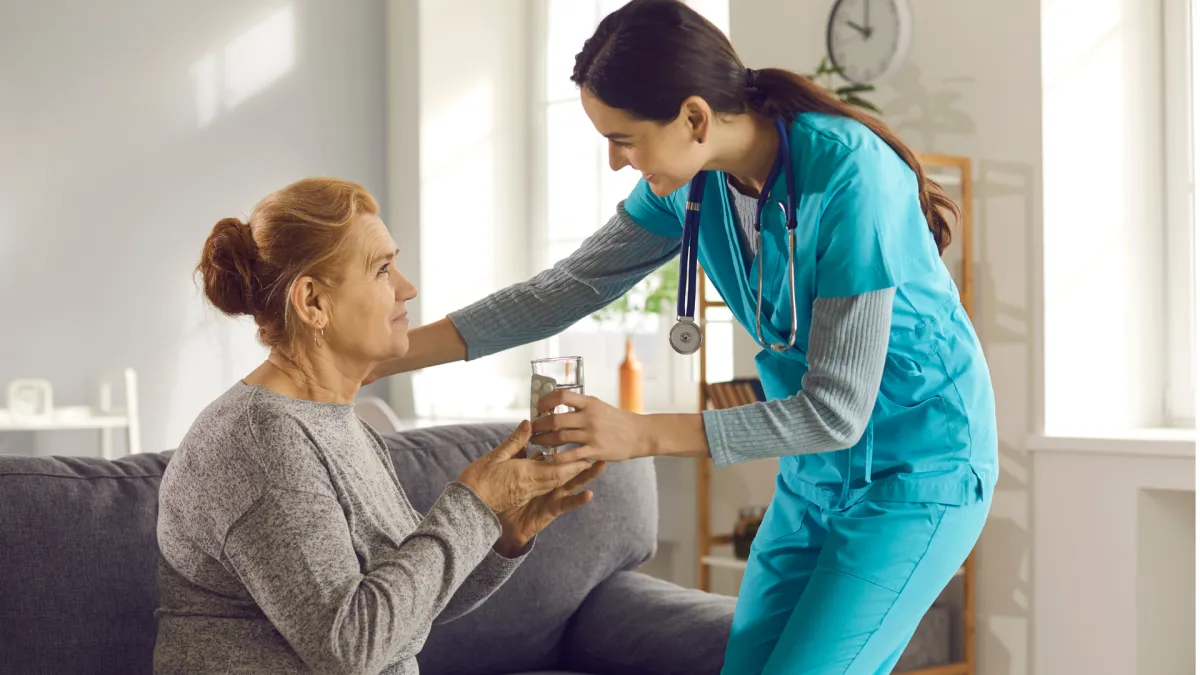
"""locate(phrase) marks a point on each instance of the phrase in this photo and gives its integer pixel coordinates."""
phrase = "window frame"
(1180, 111)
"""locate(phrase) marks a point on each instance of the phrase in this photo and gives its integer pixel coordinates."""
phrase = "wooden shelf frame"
(960, 176)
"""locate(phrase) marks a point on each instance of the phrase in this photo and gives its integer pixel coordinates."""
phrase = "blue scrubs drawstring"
(869, 452)
(867, 458)
(846, 477)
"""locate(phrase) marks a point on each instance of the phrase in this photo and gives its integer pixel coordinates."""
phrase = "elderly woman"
(287, 543)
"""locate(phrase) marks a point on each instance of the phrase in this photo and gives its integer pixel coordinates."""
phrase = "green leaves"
(861, 103)
(854, 89)
(649, 297)
(825, 68)
(850, 94)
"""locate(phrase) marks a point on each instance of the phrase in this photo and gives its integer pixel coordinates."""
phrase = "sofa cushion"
(77, 563)
(520, 627)
(633, 624)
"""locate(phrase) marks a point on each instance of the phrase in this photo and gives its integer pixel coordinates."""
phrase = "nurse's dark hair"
(649, 56)
(248, 267)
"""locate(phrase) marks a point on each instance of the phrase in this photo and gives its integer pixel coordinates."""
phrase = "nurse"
(880, 409)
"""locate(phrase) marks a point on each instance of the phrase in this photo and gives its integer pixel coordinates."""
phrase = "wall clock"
(868, 40)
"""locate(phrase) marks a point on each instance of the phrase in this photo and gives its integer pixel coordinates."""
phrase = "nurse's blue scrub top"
(932, 433)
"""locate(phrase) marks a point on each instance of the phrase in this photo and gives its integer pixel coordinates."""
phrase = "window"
(575, 193)
(1181, 88)
(1118, 276)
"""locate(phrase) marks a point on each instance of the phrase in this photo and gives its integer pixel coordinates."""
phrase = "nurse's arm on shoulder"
(609, 263)
(847, 349)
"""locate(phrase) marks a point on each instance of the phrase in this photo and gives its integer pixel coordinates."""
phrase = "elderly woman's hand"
(505, 481)
(522, 523)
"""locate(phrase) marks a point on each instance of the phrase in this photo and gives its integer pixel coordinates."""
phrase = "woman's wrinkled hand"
(504, 480)
(601, 431)
(525, 521)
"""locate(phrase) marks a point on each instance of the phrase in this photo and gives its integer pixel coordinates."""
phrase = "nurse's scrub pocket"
(880, 542)
(785, 516)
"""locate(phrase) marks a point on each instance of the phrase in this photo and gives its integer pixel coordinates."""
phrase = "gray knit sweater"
(847, 342)
(287, 545)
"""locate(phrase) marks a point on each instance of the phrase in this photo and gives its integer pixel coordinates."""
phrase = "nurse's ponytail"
(774, 92)
(649, 56)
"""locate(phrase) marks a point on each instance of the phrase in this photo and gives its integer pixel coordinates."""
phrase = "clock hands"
(866, 32)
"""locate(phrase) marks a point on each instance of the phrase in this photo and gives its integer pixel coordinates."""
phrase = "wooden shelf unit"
(948, 171)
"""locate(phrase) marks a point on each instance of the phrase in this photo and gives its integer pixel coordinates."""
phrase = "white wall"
(1115, 562)
(473, 229)
(1166, 580)
(126, 135)
(403, 86)
(972, 87)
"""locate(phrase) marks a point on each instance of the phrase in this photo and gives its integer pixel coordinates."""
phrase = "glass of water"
(562, 372)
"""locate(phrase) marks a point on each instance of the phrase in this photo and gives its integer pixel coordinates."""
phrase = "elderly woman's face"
(369, 320)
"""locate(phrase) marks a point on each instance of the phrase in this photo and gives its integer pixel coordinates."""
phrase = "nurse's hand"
(601, 431)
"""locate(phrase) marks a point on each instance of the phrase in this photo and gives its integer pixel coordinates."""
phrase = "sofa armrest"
(634, 623)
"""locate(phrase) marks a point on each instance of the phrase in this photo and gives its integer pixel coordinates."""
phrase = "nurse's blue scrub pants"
(840, 591)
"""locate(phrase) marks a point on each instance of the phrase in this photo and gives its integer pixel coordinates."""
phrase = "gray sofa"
(78, 580)
(78, 575)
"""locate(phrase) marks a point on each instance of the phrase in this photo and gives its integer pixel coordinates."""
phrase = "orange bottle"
(631, 380)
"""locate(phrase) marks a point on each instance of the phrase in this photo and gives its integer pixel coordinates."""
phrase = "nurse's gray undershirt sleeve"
(847, 347)
(605, 266)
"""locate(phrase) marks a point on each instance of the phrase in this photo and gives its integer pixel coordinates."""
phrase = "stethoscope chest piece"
(686, 336)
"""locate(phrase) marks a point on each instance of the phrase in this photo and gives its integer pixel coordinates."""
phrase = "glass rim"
(552, 359)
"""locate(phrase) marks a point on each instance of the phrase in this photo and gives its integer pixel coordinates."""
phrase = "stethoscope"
(686, 336)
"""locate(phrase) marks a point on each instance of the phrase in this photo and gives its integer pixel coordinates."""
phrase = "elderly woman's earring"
(318, 338)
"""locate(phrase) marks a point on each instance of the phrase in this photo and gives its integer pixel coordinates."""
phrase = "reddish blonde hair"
(249, 267)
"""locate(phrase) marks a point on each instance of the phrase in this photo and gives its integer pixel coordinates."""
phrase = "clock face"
(868, 40)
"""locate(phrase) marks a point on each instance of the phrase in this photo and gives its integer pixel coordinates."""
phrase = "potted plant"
(850, 94)
(650, 297)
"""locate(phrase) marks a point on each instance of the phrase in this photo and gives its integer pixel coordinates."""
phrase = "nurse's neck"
(744, 148)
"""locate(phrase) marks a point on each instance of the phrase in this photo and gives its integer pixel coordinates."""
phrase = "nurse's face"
(667, 155)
